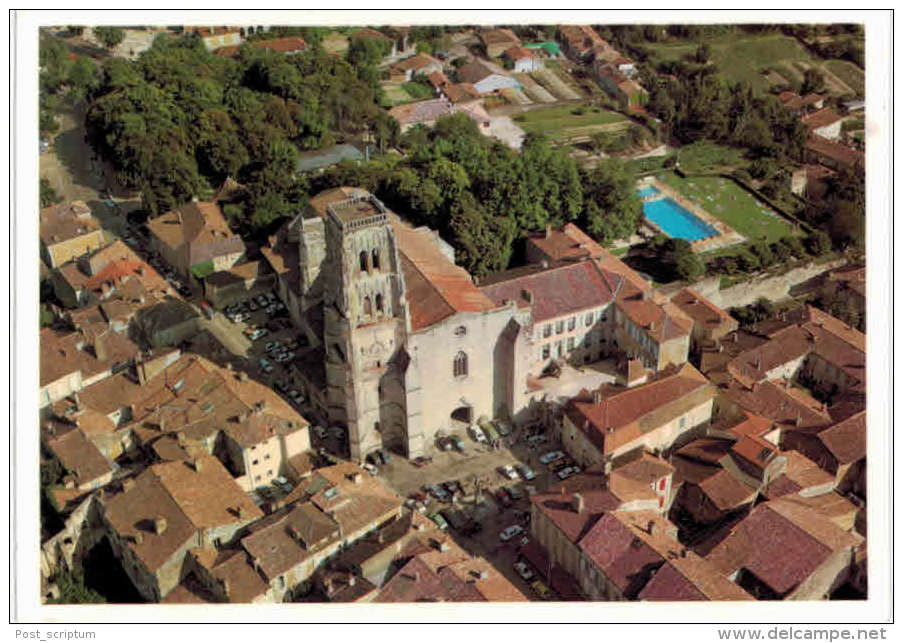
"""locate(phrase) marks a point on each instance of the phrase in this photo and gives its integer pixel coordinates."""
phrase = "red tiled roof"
(558, 291)
(691, 578)
(436, 287)
(726, 492)
(835, 151)
(367, 32)
(415, 63)
(772, 400)
(822, 118)
(498, 36)
(781, 543)
(559, 508)
(700, 309)
(631, 412)
(846, 440)
(518, 52)
(459, 92)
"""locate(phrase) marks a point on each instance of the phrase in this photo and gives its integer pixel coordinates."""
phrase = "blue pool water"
(649, 190)
(676, 221)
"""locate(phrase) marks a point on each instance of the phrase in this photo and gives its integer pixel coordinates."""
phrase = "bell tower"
(364, 320)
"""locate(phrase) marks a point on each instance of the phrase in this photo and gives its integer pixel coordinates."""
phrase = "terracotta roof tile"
(821, 118)
(558, 291)
(79, 455)
(700, 309)
(835, 151)
(498, 36)
(65, 221)
(846, 440)
(691, 578)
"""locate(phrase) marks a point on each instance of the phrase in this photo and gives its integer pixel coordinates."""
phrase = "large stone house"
(195, 239)
(67, 231)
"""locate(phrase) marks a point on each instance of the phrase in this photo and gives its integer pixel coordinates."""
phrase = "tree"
(688, 265)
(703, 52)
(48, 194)
(611, 209)
(813, 81)
(73, 590)
(819, 243)
(483, 242)
(109, 37)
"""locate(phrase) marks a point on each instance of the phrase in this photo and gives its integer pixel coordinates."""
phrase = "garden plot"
(550, 80)
(534, 90)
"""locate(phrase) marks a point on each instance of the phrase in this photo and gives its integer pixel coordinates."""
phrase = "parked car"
(503, 428)
(421, 461)
(238, 317)
(510, 532)
(439, 520)
(257, 333)
(567, 472)
(272, 346)
(373, 459)
(297, 398)
(445, 444)
(525, 472)
(457, 442)
(502, 496)
(508, 472)
(541, 590)
(514, 492)
(320, 432)
(265, 365)
(551, 456)
(283, 483)
(478, 434)
(523, 570)
(535, 440)
(373, 471)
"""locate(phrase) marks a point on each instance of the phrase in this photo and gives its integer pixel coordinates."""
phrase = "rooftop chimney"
(579, 503)
(159, 525)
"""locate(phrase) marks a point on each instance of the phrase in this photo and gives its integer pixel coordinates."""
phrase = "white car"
(523, 570)
(509, 472)
(550, 456)
(373, 471)
(257, 334)
(511, 532)
(478, 434)
(238, 317)
(526, 472)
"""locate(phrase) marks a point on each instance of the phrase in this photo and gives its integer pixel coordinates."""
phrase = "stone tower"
(364, 323)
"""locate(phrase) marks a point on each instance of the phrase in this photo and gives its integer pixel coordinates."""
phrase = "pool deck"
(727, 236)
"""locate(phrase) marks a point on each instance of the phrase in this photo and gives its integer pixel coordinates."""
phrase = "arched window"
(379, 302)
(460, 364)
(363, 261)
(368, 306)
(375, 259)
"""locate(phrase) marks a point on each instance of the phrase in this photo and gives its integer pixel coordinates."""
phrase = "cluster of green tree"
(109, 37)
(848, 40)
(48, 195)
(431, 39)
(748, 315)
(677, 258)
(843, 304)
(179, 120)
(73, 590)
(693, 104)
(613, 142)
(841, 209)
(754, 256)
(482, 196)
(63, 77)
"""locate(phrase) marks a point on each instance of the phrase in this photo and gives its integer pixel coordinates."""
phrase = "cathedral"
(411, 345)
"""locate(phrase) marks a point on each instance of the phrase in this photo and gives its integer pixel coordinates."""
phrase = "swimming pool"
(649, 190)
(676, 221)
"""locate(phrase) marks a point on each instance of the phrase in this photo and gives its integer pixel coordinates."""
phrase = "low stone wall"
(773, 287)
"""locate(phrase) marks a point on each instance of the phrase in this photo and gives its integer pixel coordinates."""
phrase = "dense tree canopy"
(179, 120)
(482, 196)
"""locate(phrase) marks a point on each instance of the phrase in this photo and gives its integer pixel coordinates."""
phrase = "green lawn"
(419, 91)
(848, 73)
(725, 200)
(394, 94)
(741, 59)
(704, 157)
(561, 123)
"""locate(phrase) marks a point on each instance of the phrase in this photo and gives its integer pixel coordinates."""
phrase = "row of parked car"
(267, 302)
(517, 471)
(563, 466)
